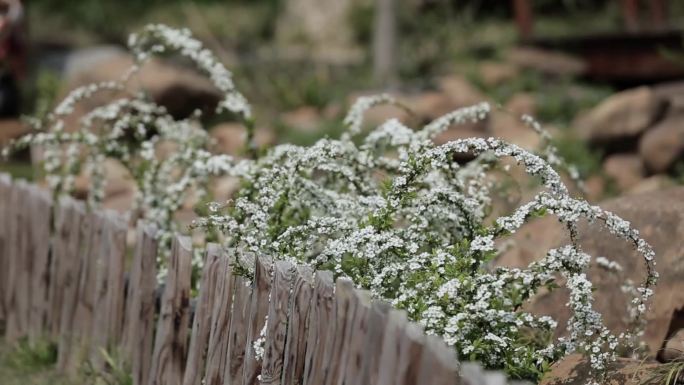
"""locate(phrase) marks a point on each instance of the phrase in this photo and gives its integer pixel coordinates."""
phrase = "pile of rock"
(642, 132)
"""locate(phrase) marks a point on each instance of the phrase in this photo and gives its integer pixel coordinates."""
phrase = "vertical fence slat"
(411, 349)
(16, 297)
(391, 347)
(170, 346)
(378, 316)
(109, 287)
(295, 345)
(69, 281)
(140, 304)
(201, 325)
(438, 364)
(343, 313)
(5, 223)
(41, 218)
(217, 352)
(256, 320)
(321, 328)
(360, 329)
(58, 260)
(276, 327)
(238, 331)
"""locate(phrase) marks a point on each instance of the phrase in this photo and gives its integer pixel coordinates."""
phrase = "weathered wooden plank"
(5, 223)
(337, 353)
(438, 364)
(217, 351)
(109, 287)
(70, 280)
(391, 347)
(256, 320)
(321, 328)
(360, 329)
(238, 331)
(40, 225)
(276, 327)
(12, 262)
(411, 349)
(377, 323)
(201, 325)
(140, 304)
(295, 345)
(170, 346)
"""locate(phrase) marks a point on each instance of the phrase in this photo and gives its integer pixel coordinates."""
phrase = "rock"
(674, 348)
(494, 73)
(522, 103)
(546, 61)
(180, 90)
(652, 184)
(304, 119)
(430, 105)
(595, 188)
(230, 138)
(120, 187)
(627, 170)
(461, 92)
(662, 145)
(223, 188)
(575, 370)
(11, 129)
(512, 129)
(659, 217)
(623, 115)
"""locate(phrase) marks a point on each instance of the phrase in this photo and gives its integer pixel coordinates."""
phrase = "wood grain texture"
(391, 347)
(5, 224)
(140, 304)
(411, 349)
(321, 329)
(238, 331)
(256, 320)
(170, 346)
(377, 323)
(295, 345)
(359, 334)
(337, 354)
(217, 352)
(69, 281)
(201, 325)
(58, 260)
(438, 364)
(40, 225)
(18, 266)
(276, 326)
(109, 287)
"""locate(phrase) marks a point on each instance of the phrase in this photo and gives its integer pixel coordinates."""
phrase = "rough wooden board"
(295, 346)
(438, 364)
(238, 331)
(5, 223)
(256, 320)
(18, 288)
(217, 352)
(170, 347)
(408, 365)
(140, 306)
(391, 347)
(378, 316)
(41, 219)
(360, 329)
(276, 327)
(337, 353)
(70, 269)
(321, 328)
(57, 260)
(201, 325)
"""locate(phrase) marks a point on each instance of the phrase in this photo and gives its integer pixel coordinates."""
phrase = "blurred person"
(11, 56)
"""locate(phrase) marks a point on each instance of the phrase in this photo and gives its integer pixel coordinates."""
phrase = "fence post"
(391, 347)
(201, 325)
(256, 320)
(337, 352)
(295, 342)
(5, 223)
(321, 329)
(238, 332)
(438, 364)
(140, 304)
(18, 266)
(217, 352)
(377, 319)
(40, 220)
(276, 327)
(360, 329)
(170, 346)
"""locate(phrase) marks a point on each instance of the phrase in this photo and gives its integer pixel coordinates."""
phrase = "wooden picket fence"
(71, 283)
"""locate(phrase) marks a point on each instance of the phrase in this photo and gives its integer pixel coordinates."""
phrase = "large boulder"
(229, 138)
(659, 216)
(627, 170)
(11, 129)
(575, 369)
(624, 115)
(662, 145)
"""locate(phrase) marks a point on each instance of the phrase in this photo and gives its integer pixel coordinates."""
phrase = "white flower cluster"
(392, 211)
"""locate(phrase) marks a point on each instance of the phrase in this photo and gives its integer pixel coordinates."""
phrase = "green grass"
(25, 365)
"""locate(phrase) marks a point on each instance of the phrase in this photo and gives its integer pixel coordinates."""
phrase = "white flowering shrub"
(387, 208)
